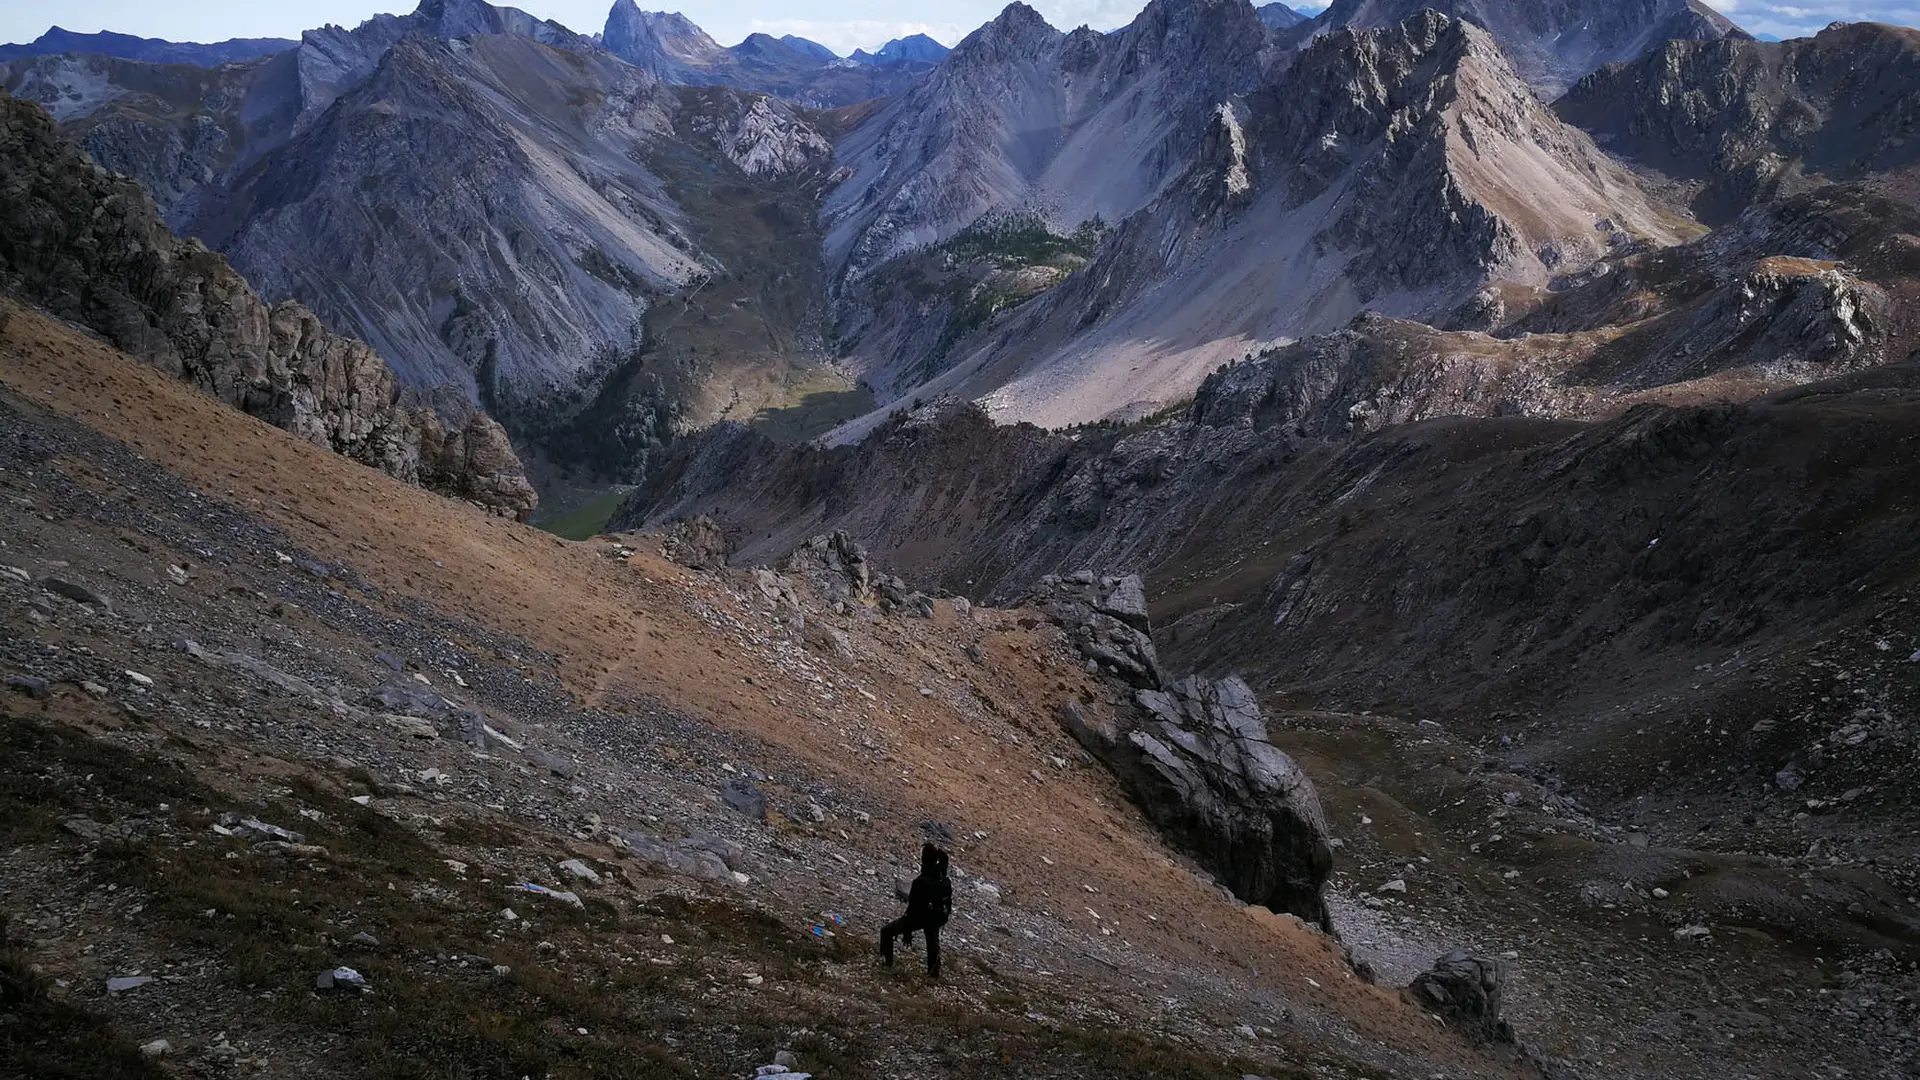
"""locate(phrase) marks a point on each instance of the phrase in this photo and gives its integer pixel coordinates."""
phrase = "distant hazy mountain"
(810, 48)
(152, 50)
(672, 47)
(917, 49)
(1279, 16)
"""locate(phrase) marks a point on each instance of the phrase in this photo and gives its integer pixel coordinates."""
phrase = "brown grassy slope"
(617, 629)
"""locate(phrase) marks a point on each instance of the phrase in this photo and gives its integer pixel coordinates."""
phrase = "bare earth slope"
(1681, 634)
(619, 694)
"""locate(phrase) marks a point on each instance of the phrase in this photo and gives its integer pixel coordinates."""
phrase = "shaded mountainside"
(1403, 170)
(1541, 579)
(57, 41)
(1552, 43)
(1746, 121)
(174, 127)
(89, 246)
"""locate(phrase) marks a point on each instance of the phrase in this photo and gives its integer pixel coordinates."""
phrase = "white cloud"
(1802, 19)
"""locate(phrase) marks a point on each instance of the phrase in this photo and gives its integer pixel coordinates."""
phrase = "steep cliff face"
(1745, 121)
(1402, 170)
(1552, 43)
(89, 246)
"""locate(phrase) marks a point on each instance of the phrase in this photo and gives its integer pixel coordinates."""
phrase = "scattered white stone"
(158, 1048)
(509, 914)
(1660, 894)
(177, 575)
(577, 869)
(94, 689)
(138, 679)
(1692, 933)
(362, 800)
(1398, 885)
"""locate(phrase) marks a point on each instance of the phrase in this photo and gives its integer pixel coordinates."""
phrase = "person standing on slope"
(929, 906)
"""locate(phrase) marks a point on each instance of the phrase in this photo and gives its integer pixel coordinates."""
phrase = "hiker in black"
(929, 906)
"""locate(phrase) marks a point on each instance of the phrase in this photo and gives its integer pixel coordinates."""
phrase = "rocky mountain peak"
(912, 49)
(1278, 16)
(1018, 31)
(662, 42)
(59, 41)
(1193, 29)
(1552, 43)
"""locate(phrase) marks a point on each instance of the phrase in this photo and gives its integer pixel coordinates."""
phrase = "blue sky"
(842, 24)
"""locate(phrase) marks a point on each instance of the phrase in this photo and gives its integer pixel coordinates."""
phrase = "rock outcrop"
(840, 573)
(1465, 990)
(1106, 620)
(89, 246)
(1199, 762)
(697, 543)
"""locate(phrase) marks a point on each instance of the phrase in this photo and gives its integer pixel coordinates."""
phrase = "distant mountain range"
(150, 50)
(613, 240)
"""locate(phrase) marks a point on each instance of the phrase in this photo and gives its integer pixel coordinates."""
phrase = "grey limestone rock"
(1198, 760)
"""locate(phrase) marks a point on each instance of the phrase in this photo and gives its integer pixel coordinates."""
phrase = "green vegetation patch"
(588, 519)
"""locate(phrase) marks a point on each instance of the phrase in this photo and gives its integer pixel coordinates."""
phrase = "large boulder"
(1197, 759)
(1106, 620)
(836, 566)
(697, 543)
(1464, 990)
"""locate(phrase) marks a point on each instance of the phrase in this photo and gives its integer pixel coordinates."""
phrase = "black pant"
(906, 928)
